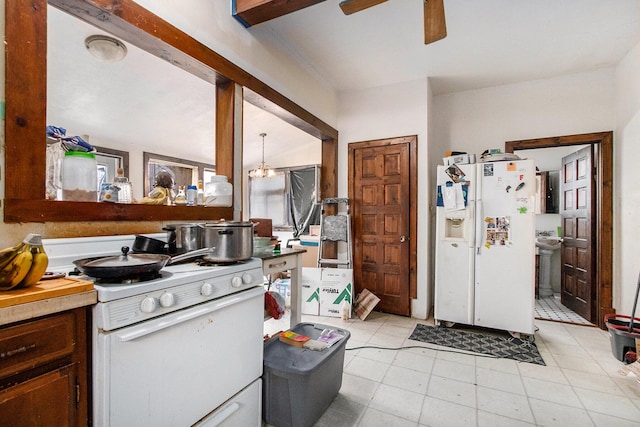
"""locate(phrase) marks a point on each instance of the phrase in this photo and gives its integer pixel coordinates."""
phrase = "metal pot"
(128, 264)
(189, 237)
(149, 245)
(228, 241)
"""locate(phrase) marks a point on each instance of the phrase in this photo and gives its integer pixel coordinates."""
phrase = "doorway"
(383, 194)
(601, 240)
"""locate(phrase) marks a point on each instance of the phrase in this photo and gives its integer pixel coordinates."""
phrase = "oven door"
(176, 369)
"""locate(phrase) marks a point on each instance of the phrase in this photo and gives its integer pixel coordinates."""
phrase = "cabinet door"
(47, 400)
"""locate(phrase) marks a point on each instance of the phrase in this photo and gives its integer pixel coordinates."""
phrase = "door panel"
(381, 218)
(47, 400)
(577, 283)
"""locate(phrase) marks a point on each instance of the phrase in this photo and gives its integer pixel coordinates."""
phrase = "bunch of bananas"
(24, 264)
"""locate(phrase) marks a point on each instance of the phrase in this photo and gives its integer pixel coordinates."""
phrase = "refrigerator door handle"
(479, 224)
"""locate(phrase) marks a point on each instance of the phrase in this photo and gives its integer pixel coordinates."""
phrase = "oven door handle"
(173, 319)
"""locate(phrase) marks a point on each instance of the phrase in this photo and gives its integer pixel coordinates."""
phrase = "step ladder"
(335, 227)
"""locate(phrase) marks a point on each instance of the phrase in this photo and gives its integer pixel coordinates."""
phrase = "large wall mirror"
(140, 110)
(139, 103)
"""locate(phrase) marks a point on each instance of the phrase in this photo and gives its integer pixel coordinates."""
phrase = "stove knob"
(247, 278)
(148, 305)
(167, 300)
(236, 282)
(206, 289)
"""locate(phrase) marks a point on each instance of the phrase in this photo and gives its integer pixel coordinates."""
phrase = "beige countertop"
(31, 308)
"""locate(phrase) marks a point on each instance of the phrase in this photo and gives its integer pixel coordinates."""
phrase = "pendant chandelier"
(262, 171)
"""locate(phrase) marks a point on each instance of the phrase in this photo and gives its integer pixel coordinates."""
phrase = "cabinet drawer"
(275, 265)
(35, 343)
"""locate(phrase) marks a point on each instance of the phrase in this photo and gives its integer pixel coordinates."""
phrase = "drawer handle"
(281, 264)
(22, 349)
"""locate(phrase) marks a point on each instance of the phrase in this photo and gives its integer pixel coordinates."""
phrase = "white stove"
(180, 349)
(180, 286)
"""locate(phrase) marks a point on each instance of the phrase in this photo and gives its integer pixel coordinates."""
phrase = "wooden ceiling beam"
(253, 12)
(352, 6)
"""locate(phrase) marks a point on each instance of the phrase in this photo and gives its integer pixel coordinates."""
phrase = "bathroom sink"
(548, 243)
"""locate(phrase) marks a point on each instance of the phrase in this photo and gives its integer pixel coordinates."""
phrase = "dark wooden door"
(576, 210)
(381, 219)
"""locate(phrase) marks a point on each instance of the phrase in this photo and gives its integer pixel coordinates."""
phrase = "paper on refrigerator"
(453, 197)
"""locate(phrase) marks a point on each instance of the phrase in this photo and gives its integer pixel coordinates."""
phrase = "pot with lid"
(228, 241)
(127, 265)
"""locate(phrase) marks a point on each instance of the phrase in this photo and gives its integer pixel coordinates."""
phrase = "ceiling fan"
(434, 24)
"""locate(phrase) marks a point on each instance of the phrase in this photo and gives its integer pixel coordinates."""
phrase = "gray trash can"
(298, 384)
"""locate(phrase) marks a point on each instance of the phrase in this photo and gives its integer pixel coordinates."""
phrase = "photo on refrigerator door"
(455, 173)
(497, 231)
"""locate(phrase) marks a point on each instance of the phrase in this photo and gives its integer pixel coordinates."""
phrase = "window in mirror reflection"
(183, 172)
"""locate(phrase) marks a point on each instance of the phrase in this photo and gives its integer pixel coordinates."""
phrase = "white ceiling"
(489, 42)
(147, 102)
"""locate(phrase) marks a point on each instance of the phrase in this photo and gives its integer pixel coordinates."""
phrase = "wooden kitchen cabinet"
(44, 371)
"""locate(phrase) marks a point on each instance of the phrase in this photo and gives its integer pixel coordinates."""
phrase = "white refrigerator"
(485, 246)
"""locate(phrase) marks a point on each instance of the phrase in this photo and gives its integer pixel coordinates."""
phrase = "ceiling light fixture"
(262, 171)
(105, 48)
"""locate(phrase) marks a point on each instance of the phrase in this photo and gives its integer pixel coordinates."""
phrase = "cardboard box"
(365, 303)
(460, 159)
(336, 287)
(310, 290)
(309, 258)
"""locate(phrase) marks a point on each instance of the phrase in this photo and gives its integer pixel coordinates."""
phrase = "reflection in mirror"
(182, 172)
(141, 103)
(31, 49)
(109, 161)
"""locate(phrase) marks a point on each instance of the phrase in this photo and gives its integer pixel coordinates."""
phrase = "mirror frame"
(26, 94)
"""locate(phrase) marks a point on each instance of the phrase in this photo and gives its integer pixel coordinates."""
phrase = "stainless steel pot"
(189, 237)
(228, 241)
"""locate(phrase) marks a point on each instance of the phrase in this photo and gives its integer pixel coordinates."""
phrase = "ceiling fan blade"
(434, 24)
(353, 6)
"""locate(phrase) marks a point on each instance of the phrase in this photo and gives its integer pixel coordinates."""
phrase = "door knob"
(403, 239)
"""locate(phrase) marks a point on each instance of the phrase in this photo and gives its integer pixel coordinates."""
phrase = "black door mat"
(506, 347)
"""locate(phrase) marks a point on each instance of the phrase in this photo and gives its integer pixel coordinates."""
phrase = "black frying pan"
(149, 245)
(130, 264)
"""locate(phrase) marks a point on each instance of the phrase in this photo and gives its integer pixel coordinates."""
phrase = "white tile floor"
(580, 386)
(550, 308)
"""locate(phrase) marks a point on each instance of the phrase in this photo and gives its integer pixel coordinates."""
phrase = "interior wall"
(626, 192)
(386, 112)
(476, 120)
(434, 151)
